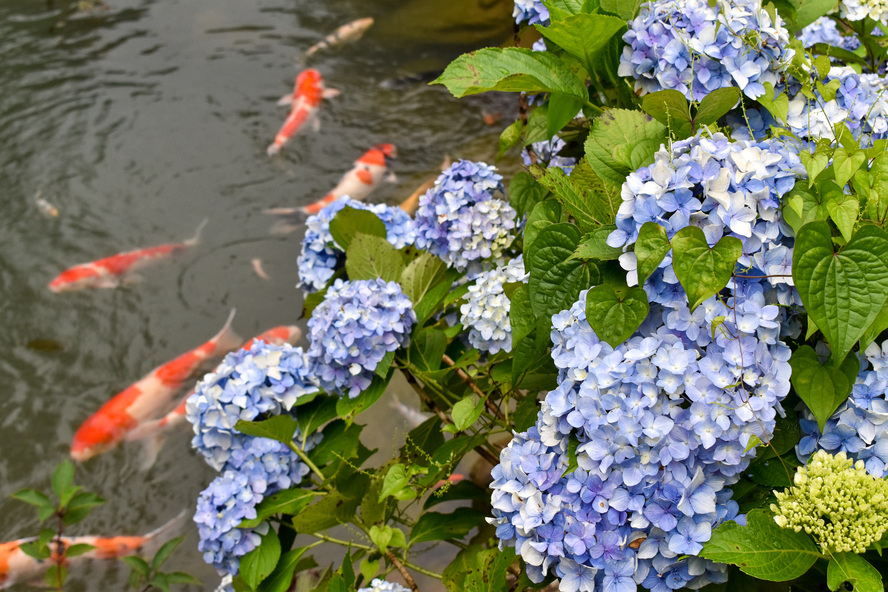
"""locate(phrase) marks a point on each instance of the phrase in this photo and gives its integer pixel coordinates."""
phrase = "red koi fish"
(146, 398)
(304, 104)
(17, 567)
(365, 176)
(112, 271)
(153, 432)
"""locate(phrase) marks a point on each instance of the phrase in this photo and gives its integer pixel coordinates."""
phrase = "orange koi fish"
(304, 104)
(153, 432)
(348, 32)
(16, 566)
(146, 398)
(112, 271)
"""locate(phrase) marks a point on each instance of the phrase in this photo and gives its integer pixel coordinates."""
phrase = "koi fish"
(349, 32)
(366, 174)
(16, 566)
(413, 416)
(44, 207)
(411, 204)
(147, 398)
(112, 271)
(153, 432)
(452, 480)
(257, 267)
(304, 104)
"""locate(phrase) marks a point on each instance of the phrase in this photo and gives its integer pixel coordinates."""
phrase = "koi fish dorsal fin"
(226, 339)
(155, 539)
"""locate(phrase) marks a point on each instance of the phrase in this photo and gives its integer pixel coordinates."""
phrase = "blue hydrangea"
(486, 311)
(546, 153)
(248, 384)
(859, 427)
(461, 219)
(695, 48)
(531, 11)
(378, 585)
(662, 422)
(353, 329)
(824, 30)
(321, 256)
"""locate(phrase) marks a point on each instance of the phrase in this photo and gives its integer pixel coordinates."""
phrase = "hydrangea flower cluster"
(546, 153)
(841, 506)
(378, 585)
(662, 424)
(486, 311)
(353, 329)
(859, 427)
(725, 188)
(695, 48)
(461, 220)
(321, 256)
(264, 380)
(531, 11)
(824, 30)
(857, 10)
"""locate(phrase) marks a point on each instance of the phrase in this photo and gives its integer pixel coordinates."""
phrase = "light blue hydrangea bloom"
(378, 585)
(321, 256)
(248, 384)
(695, 48)
(461, 219)
(547, 155)
(486, 311)
(824, 30)
(353, 329)
(531, 11)
(859, 427)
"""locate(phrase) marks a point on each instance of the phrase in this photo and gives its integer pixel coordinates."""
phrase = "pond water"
(139, 118)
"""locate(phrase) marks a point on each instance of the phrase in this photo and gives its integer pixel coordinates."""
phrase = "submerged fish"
(16, 566)
(304, 104)
(44, 207)
(413, 416)
(349, 32)
(112, 271)
(411, 204)
(147, 398)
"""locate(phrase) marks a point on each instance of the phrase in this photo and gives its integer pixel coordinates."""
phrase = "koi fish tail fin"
(145, 429)
(196, 238)
(286, 100)
(291, 219)
(273, 149)
(155, 539)
(151, 447)
(226, 339)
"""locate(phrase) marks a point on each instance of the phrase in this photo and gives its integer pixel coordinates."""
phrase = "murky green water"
(136, 122)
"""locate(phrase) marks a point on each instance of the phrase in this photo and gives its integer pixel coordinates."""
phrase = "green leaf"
(395, 480)
(651, 247)
(511, 69)
(78, 549)
(572, 462)
(716, 104)
(466, 412)
(279, 427)
(878, 325)
(464, 490)
(332, 509)
(625, 9)
(510, 137)
(615, 312)
(525, 193)
(702, 271)
(773, 472)
(603, 200)
(370, 257)
(369, 568)
(420, 275)
(811, 10)
(350, 221)
(670, 108)
(84, 500)
(594, 245)
(583, 36)
(165, 551)
(63, 482)
(522, 322)
(288, 501)
(347, 408)
(315, 414)
(844, 291)
(761, 548)
(138, 565)
(778, 105)
(845, 164)
(854, 569)
(433, 526)
(438, 293)
(575, 198)
(34, 498)
(525, 413)
(544, 214)
(822, 388)
(562, 109)
(620, 142)
(814, 164)
(180, 577)
(844, 213)
(801, 207)
(258, 564)
(427, 349)
(340, 442)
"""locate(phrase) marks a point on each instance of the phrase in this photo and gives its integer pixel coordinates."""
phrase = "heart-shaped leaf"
(822, 388)
(650, 248)
(778, 106)
(702, 271)
(844, 291)
(716, 104)
(670, 108)
(814, 164)
(615, 312)
(845, 164)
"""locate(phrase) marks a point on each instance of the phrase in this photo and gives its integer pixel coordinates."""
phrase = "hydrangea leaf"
(315, 414)
(421, 275)
(525, 193)
(844, 291)
(761, 548)
(582, 35)
(334, 507)
(349, 221)
(651, 247)
(560, 9)
(577, 200)
(280, 579)
(855, 570)
(615, 312)
(510, 137)
(702, 271)
(433, 526)
(809, 11)
(511, 69)
(621, 141)
(822, 388)
(340, 443)
(369, 257)
(492, 573)
(604, 200)
(625, 9)
(258, 564)
(594, 245)
(670, 108)
(280, 428)
(544, 214)
(347, 408)
(427, 348)
(716, 104)
(562, 109)
(288, 501)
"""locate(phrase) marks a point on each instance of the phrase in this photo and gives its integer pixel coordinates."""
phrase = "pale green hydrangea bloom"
(844, 508)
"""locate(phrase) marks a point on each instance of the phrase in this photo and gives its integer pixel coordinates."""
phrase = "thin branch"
(404, 573)
(468, 380)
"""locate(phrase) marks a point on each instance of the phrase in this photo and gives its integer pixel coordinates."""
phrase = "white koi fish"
(344, 34)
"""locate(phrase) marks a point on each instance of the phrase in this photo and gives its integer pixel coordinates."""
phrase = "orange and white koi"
(153, 431)
(452, 480)
(348, 32)
(17, 567)
(304, 104)
(147, 398)
(112, 271)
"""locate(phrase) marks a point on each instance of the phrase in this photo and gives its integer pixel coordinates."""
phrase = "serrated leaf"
(822, 388)
(421, 275)
(625, 9)
(370, 257)
(347, 407)
(349, 221)
(280, 428)
(525, 193)
(510, 137)
(620, 142)
(575, 199)
(615, 312)
(594, 245)
(340, 442)
(562, 109)
(855, 570)
(651, 247)
(702, 271)
(583, 35)
(811, 10)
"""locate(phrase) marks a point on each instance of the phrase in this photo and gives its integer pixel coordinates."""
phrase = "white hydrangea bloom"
(486, 314)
